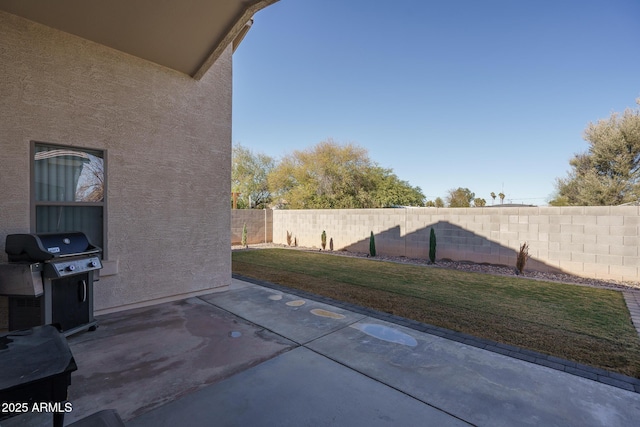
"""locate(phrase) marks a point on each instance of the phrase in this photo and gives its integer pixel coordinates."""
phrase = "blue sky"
(492, 95)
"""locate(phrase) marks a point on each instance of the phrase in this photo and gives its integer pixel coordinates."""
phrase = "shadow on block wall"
(453, 243)
(259, 223)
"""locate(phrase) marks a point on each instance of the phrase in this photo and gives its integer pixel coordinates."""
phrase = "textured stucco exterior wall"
(168, 147)
(599, 242)
(259, 225)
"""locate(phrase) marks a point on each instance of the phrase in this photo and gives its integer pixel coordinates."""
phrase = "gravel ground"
(501, 270)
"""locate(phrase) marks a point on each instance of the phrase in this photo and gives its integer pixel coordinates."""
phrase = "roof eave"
(233, 37)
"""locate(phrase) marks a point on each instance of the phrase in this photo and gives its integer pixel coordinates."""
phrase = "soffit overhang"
(184, 35)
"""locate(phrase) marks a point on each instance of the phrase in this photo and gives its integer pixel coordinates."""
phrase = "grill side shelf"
(21, 279)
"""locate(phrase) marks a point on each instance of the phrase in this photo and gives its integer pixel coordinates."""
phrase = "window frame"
(34, 204)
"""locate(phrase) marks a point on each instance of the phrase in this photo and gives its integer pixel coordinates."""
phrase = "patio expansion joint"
(329, 333)
(613, 379)
(411, 396)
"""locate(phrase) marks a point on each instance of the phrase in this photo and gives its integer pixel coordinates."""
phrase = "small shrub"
(295, 242)
(331, 244)
(244, 235)
(523, 256)
(288, 238)
(372, 245)
(323, 238)
(432, 246)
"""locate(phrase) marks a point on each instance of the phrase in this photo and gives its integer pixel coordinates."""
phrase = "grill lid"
(45, 246)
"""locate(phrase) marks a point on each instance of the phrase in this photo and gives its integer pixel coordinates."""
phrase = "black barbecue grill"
(49, 280)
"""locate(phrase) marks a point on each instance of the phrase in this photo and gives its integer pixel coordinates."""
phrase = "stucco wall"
(259, 225)
(168, 147)
(600, 242)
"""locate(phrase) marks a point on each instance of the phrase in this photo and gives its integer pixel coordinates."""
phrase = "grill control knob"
(93, 264)
(71, 267)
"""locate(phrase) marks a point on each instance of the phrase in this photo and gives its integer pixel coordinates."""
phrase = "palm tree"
(493, 196)
(501, 195)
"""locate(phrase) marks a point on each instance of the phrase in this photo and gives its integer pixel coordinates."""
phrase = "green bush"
(432, 246)
(244, 235)
(522, 258)
(372, 245)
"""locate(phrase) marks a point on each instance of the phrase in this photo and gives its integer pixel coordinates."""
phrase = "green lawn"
(586, 325)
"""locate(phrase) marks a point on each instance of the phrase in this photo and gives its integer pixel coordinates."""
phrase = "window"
(68, 190)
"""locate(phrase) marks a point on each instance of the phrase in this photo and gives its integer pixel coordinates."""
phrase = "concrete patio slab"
(298, 388)
(140, 359)
(479, 386)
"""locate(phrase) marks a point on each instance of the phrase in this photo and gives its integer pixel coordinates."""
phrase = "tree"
(91, 181)
(460, 198)
(325, 176)
(437, 203)
(502, 196)
(559, 201)
(330, 175)
(478, 202)
(493, 196)
(608, 173)
(249, 173)
(388, 190)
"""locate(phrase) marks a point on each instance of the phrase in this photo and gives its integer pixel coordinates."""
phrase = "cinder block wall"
(259, 225)
(598, 242)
